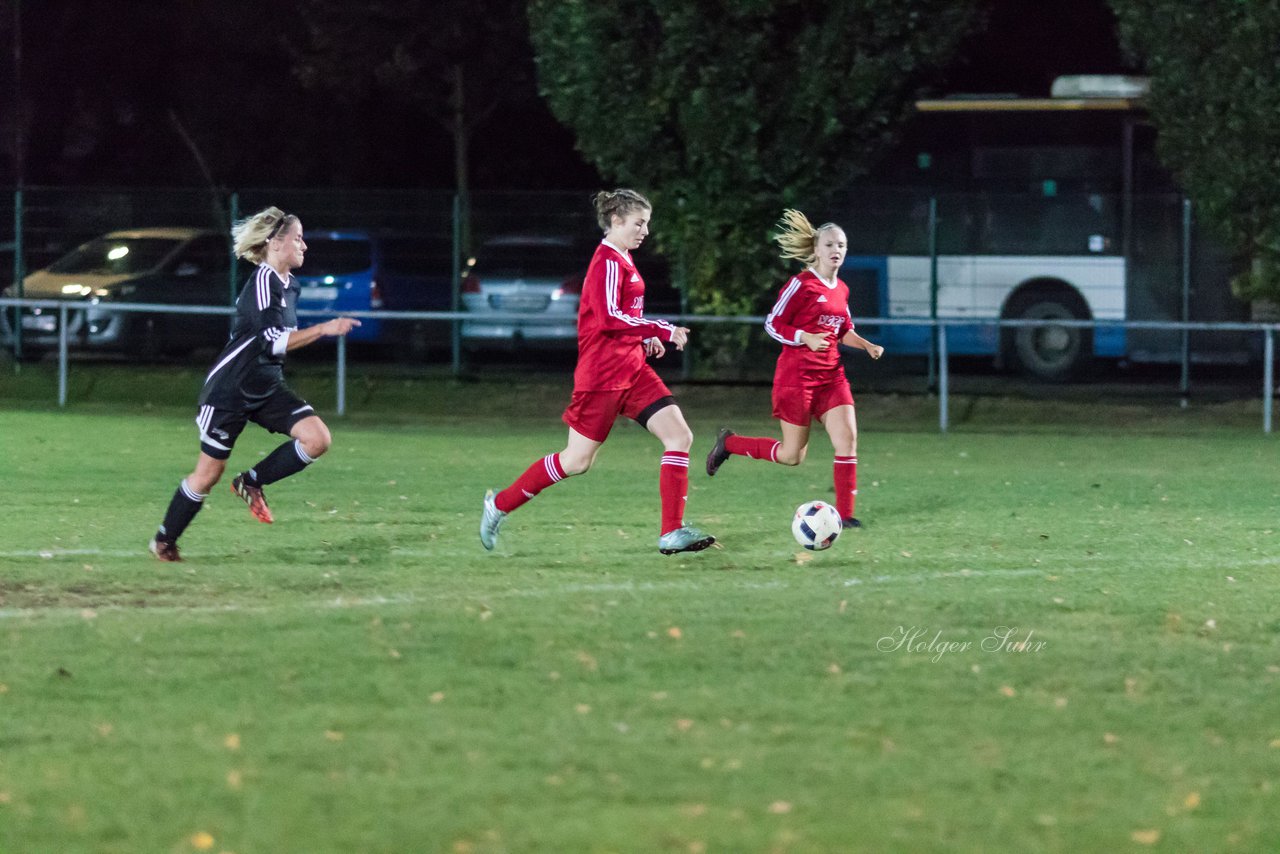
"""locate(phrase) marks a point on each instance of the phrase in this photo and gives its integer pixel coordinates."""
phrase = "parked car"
(172, 266)
(541, 277)
(338, 275)
(535, 276)
(418, 276)
(360, 270)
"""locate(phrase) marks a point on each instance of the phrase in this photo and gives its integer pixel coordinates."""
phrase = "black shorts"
(219, 428)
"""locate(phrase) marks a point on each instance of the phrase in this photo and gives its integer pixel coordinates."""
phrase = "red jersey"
(808, 304)
(612, 328)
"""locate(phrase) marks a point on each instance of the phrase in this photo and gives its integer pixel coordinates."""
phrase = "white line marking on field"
(623, 586)
(966, 573)
(627, 586)
(332, 604)
(49, 554)
(634, 587)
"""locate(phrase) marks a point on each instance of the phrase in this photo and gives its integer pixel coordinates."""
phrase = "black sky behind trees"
(109, 89)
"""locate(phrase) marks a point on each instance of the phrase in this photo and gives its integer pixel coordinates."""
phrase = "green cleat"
(684, 539)
(490, 522)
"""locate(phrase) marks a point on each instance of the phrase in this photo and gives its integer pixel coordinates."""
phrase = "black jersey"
(251, 367)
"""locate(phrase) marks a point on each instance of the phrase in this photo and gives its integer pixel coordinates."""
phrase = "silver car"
(523, 290)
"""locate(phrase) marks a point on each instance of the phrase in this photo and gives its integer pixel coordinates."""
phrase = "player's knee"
(202, 485)
(205, 478)
(573, 465)
(679, 440)
(316, 440)
(318, 445)
(791, 458)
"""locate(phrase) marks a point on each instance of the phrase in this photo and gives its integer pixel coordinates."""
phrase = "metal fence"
(941, 362)
(1175, 301)
(1175, 271)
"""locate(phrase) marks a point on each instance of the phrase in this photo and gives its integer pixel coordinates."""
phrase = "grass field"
(1049, 637)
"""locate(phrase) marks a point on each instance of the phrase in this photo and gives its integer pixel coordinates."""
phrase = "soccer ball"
(816, 525)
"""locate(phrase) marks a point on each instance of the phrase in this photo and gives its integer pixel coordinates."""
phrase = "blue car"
(339, 275)
(349, 270)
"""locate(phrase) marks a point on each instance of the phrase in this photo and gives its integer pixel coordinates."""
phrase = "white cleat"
(684, 539)
(490, 522)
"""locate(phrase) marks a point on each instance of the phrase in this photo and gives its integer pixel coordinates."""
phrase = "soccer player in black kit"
(247, 384)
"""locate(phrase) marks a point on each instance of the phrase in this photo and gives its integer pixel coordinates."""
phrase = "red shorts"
(592, 413)
(799, 404)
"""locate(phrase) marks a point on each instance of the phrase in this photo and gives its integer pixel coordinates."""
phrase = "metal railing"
(1267, 330)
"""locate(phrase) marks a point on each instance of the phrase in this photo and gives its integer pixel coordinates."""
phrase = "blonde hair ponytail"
(797, 237)
(251, 235)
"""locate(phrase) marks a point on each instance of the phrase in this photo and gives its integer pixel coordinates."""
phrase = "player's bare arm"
(853, 339)
(330, 328)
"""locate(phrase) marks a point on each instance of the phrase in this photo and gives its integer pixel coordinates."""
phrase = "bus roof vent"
(1100, 86)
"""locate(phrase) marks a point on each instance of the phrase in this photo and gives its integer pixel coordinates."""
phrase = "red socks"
(673, 484)
(846, 479)
(536, 478)
(844, 470)
(762, 448)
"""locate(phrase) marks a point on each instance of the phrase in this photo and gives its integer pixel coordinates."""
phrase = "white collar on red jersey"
(831, 285)
(624, 253)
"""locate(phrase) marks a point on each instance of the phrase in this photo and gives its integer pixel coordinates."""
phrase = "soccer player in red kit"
(809, 318)
(612, 378)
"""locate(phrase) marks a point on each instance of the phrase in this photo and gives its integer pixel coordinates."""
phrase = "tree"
(1215, 100)
(91, 105)
(208, 102)
(726, 111)
(455, 60)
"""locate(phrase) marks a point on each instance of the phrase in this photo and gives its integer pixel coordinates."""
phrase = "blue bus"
(1001, 207)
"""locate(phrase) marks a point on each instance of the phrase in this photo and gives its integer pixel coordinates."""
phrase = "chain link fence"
(450, 279)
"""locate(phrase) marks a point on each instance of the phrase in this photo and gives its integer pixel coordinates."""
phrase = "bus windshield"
(1026, 209)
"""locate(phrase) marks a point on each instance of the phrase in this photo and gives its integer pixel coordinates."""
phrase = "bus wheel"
(1050, 353)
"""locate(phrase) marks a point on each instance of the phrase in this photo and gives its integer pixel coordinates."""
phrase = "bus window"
(1032, 208)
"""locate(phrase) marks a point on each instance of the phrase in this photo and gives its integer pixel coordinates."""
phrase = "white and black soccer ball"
(816, 525)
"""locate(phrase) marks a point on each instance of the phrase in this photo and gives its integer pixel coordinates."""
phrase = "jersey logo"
(822, 299)
(635, 277)
(637, 304)
(832, 320)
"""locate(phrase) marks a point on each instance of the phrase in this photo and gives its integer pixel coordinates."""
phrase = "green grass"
(362, 677)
